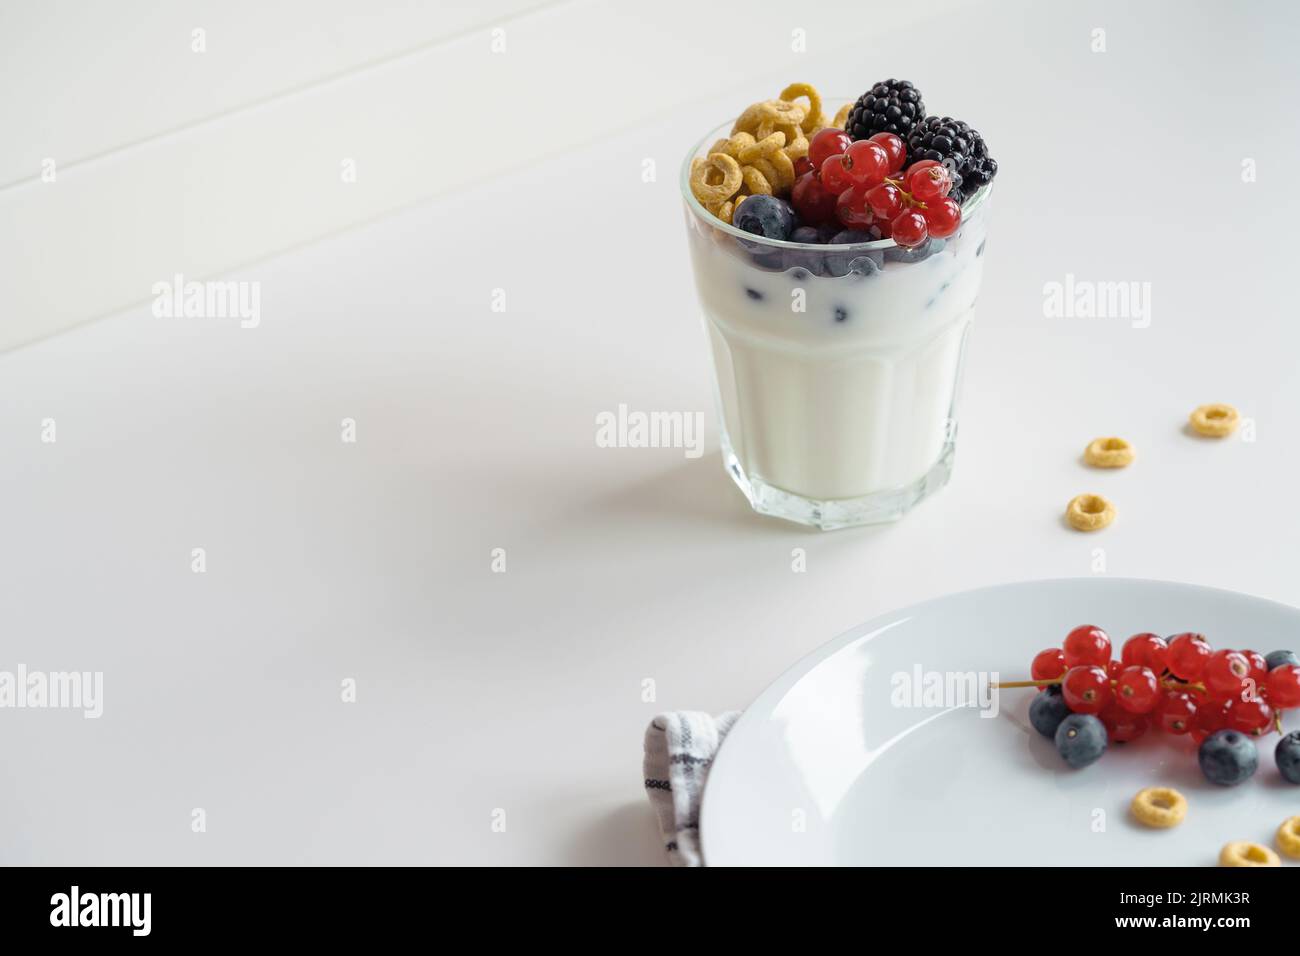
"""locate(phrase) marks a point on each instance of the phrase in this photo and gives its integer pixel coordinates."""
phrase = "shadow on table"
(625, 836)
(695, 492)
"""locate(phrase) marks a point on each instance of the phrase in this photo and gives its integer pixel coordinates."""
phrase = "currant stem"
(1011, 684)
(1170, 684)
(911, 201)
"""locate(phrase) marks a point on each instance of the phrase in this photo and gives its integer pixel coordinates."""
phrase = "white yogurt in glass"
(837, 380)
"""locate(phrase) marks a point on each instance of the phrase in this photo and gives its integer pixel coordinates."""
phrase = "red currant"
(1211, 715)
(917, 167)
(1047, 665)
(1283, 686)
(835, 174)
(1225, 673)
(942, 216)
(814, 203)
(1087, 644)
(1138, 690)
(826, 143)
(894, 146)
(851, 209)
(908, 229)
(1253, 717)
(1121, 725)
(885, 201)
(931, 183)
(1187, 656)
(1114, 668)
(1146, 650)
(1258, 668)
(1177, 712)
(868, 162)
(802, 165)
(1086, 689)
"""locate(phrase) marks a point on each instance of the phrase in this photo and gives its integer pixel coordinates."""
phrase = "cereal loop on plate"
(1160, 807)
(1108, 453)
(1089, 512)
(1242, 853)
(1288, 837)
(842, 115)
(1215, 421)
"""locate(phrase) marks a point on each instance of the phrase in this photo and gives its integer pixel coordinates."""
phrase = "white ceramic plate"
(833, 764)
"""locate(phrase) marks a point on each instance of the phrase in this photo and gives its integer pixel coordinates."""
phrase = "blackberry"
(960, 148)
(893, 106)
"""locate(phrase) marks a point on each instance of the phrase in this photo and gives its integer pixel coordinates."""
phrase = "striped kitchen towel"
(679, 750)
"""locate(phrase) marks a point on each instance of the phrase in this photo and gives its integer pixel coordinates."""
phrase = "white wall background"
(169, 160)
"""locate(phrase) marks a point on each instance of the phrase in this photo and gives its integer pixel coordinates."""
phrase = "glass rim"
(696, 207)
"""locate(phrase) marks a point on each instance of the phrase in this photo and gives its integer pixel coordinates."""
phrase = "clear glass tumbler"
(837, 366)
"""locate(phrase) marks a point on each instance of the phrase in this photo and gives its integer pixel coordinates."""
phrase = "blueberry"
(754, 294)
(832, 265)
(765, 216)
(805, 262)
(1288, 757)
(1080, 739)
(915, 253)
(763, 256)
(828, 229)
(861, 263)
(1228, 757)
(1278, 658)
(866, 264)
(1047, 711)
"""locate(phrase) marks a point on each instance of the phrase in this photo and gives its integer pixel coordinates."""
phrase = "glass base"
(877, 508)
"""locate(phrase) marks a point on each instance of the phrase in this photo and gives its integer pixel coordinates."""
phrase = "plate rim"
(777, 687)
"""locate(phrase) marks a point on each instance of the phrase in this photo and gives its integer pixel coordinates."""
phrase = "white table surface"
(523, 691)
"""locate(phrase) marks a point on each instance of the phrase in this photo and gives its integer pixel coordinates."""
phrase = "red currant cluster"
(864, 186)
(1182, 686)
